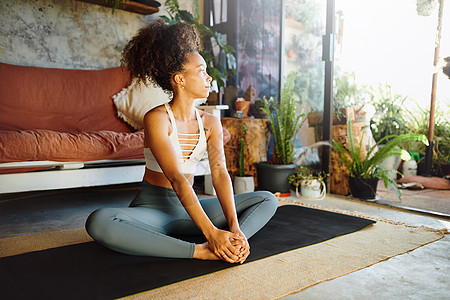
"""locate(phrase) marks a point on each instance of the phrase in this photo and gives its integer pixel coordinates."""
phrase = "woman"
(177, 136)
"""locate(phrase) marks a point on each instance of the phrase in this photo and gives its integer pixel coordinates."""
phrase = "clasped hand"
(229, 246)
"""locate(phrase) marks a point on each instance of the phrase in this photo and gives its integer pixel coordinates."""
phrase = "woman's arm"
(221, 179)
(157, 127)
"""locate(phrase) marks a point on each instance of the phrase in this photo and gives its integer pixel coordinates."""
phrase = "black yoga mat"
(91, 271)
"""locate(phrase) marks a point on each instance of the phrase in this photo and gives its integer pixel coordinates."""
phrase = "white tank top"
(192, 153)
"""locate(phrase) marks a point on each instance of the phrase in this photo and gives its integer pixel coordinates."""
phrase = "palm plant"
(285, 121)
(367, 166)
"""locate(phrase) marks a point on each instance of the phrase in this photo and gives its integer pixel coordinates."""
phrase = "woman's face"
(196, 81)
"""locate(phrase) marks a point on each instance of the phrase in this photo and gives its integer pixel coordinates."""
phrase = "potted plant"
(242, 105)
(417, 122)
(243, 183)
(365, 171)
(389, 120)
(312, 184)
(346, 95)
(285, 119)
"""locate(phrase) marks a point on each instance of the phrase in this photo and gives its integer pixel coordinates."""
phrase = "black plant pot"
(274, 178)
(363, 188)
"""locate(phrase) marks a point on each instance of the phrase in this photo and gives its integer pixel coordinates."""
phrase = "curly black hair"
(159, 51)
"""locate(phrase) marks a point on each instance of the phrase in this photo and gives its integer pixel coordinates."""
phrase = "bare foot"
(203, 252)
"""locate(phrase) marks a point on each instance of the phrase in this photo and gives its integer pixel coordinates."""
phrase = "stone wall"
(66, 33)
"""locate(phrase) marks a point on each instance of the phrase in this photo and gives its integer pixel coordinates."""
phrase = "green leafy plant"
(304, 173)
(285, 121)
(241, 151)
(417, 122)
(218, 69)
(389, 117)
(306, 45)
(368, 166)
(346, 93)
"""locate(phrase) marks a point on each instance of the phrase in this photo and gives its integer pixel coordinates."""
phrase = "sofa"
(64, 128)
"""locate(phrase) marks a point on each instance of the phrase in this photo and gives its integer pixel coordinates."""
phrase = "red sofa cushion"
(62, 100)
(38, 145)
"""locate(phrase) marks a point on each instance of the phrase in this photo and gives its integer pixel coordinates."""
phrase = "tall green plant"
(389, 118)
(217, 69)
(285, 121)
(241, 151)
(417, 122)
(346, 93)
(368, 166)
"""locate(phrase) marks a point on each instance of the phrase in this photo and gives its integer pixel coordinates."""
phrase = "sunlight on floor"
(445, 223)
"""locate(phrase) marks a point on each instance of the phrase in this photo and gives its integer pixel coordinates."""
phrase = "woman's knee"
(267, 200)
(270, 199)
(96, 223)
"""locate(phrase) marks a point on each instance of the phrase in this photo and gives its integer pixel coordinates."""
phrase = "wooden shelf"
(131, 6)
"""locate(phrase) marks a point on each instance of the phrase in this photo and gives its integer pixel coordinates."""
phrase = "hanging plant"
(115, 3)
(425, 7)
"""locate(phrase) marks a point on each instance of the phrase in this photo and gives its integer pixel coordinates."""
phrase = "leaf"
(205, 29)
(228, 48)
(231, 60)
(172, 6)
(186, 16)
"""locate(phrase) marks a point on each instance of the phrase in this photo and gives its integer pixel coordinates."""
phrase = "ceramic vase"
(313, 189)
(409, 168)
(244, 184)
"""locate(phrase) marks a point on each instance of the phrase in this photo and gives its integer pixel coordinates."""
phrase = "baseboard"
(84, 177)
(62, 179)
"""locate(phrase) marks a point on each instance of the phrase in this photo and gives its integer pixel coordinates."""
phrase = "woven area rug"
(266, 278)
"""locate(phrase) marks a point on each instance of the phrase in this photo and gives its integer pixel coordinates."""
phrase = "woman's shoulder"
(156, 115)
(157, 111)
(209, 119)
(211, 123)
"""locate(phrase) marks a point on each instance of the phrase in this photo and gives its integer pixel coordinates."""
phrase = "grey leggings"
(145, 227)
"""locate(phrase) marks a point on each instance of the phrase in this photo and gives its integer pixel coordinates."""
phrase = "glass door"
(304, 28)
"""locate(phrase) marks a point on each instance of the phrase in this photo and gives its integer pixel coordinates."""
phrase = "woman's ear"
(179, 80)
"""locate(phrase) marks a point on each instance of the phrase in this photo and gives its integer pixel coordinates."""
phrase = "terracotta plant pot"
(243, 106)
